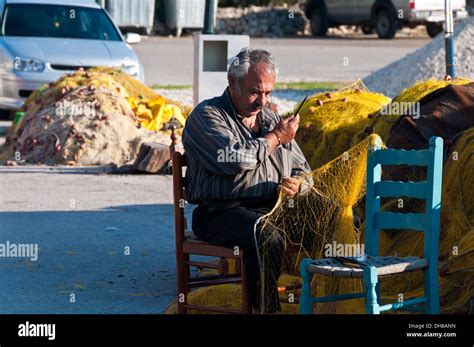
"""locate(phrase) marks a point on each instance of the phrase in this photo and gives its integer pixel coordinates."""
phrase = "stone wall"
(273, 21)
(283, 21)
(470, 7)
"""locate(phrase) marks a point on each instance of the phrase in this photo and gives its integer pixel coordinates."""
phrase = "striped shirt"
(229, 162)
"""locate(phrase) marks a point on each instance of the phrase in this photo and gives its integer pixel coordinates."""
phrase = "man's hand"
(289, 186)
(286, 128)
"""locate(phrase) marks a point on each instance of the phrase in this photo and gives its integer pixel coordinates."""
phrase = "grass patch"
(288, 85)
(170, 86)
(309, 85)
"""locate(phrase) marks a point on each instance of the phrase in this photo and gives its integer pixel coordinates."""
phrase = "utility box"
(212, 56)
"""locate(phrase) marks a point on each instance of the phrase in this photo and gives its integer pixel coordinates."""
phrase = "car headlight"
(131, 69)
(28, 65)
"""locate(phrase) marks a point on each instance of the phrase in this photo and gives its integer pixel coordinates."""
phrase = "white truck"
(383, 16)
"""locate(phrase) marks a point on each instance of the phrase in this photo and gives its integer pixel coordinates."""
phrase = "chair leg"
(431, 289)
(306, 302)
(238, 266)
(246, 305)
(183, 273)
(370, 281)
(377, 291)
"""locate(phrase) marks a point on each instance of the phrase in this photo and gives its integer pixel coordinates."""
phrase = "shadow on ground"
(113, 260)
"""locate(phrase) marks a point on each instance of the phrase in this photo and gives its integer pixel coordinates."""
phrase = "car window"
(58, 21)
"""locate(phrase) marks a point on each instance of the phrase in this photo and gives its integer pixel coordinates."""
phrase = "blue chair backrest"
(429, 190)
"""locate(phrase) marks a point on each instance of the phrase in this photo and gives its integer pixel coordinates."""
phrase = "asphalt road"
(170, 60)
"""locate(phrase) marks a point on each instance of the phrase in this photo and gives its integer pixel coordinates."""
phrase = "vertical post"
(209, 17)
(182, 268)
(372, 202)
(433, 211)
(371, 281)
(240, 265)
(306, 300)
(449, 38)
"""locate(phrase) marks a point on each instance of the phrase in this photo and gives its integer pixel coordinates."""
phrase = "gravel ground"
(426, 62)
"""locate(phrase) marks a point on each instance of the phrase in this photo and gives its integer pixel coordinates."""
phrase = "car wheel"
(177, 32)
(318, 22)
(386, 24)
(367, 29)
(434, 29)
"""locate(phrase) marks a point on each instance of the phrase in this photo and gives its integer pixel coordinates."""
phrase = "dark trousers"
(233, 227)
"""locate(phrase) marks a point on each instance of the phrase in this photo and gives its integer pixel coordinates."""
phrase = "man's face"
(256, 88)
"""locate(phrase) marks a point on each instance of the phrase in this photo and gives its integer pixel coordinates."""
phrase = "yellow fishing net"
(151, 109)
(331, 123)
(155, 112)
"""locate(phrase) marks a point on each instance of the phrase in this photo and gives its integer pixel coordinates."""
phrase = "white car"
(42, 40)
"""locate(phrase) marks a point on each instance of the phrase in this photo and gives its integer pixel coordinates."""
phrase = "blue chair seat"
(384, 266)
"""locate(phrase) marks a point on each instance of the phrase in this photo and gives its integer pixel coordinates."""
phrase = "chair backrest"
(178, 160)
(429, 190)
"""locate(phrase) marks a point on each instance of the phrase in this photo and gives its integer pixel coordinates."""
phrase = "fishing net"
(331, 123)
(152, 110)
(93, 117)
(457, 225)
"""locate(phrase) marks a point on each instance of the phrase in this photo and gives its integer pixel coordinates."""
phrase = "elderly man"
(240, 156)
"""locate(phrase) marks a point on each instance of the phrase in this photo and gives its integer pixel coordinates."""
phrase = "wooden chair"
(188, 245)
(375, 266)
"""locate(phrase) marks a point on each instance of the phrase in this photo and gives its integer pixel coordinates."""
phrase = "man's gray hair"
(247, 58)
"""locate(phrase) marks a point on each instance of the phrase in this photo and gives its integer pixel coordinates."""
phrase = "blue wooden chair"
(375, 266)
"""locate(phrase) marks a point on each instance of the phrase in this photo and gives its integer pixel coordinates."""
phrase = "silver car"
(42, 40)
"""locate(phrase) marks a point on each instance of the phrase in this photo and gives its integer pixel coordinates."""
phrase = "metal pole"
(449, 38)
(209, 17)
